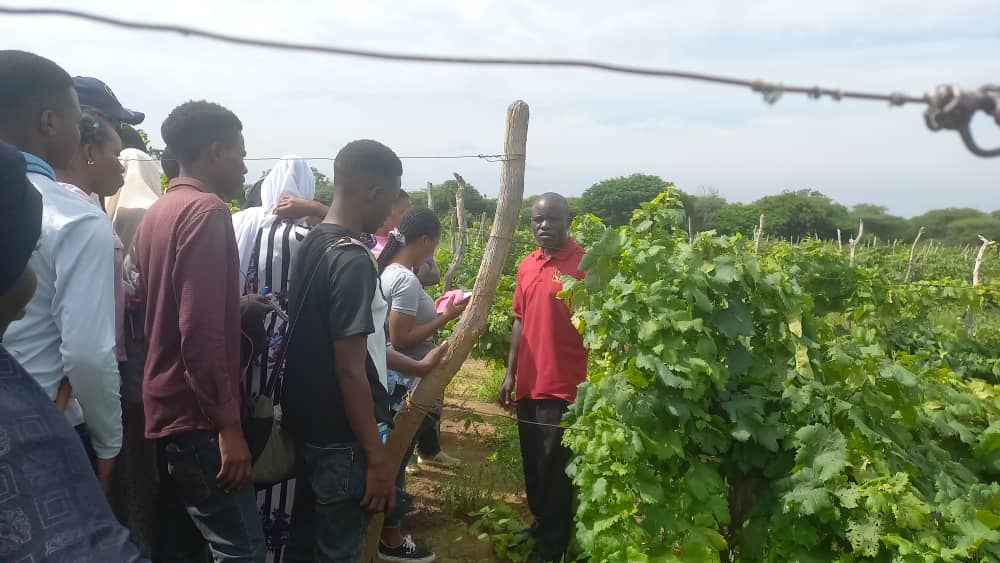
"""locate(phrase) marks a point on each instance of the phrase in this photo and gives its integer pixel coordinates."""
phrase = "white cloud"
(585, 126)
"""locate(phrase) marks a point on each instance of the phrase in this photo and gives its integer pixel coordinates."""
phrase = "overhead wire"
(485, 157)
(948, 107)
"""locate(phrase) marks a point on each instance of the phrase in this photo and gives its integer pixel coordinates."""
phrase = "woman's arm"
(404, 332)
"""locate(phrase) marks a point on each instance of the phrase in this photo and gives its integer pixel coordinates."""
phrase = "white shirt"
(69, 327)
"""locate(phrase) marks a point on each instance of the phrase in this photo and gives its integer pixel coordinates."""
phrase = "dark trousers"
(328, 523)
(428, 438)
(550, 490)
(197, 512)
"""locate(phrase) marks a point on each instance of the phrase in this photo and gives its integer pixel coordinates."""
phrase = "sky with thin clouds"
(585, 125)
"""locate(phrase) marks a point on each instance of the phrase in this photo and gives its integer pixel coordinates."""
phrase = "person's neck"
(345, 214)
(407, 259)
(27, 145)
(73, 177)
(195, 172)
(549, 252)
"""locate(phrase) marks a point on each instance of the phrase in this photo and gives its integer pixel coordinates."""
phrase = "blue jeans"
(328, 523)
(197, 512)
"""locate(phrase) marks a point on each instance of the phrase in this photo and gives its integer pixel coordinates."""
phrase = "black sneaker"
(406, 551)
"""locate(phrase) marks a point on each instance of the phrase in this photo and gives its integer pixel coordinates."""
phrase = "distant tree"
(801, 213)
(879, 222)
(703, 207)
(967, 230)
(937, 222)
(614, 200)
(474, 201)
(734, 218)
(324, 187)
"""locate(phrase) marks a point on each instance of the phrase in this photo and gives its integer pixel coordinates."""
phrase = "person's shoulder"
(397, 276)
(528, 260)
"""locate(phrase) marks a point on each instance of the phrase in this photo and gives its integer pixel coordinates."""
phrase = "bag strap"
(293, 318)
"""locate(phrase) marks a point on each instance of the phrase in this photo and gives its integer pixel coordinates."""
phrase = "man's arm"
(506, 396)
(83, 309)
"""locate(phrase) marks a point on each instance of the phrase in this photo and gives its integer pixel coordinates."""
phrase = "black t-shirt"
(337, 304)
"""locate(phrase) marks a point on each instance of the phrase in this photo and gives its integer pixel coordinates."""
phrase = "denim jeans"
(328, 523)
(197, 512)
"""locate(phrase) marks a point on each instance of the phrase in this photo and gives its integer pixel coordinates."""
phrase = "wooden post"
(913, 249)
(757, 233)
(854, 241)
(840, 244)
(475, 318)
(986, 244)
(453, 226)
(430, 195)
(690, 231)
(463, 236)
(482, 228)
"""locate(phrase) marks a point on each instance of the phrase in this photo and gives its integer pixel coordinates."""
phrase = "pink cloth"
(380, 242)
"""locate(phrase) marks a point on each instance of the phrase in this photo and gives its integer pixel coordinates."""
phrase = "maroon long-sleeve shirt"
(189, 268)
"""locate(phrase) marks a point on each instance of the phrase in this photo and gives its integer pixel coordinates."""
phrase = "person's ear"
(215, 151)
(89, 152)
(48, 122)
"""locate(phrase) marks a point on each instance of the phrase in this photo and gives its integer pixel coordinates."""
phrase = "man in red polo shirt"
(547, 361)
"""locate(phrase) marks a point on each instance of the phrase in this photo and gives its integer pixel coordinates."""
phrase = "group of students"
(139, 327)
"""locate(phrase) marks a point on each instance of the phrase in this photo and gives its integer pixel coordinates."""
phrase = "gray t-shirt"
(404, 293)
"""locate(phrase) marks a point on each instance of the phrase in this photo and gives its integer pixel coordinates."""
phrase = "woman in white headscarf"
(268, 244)
(141, 189)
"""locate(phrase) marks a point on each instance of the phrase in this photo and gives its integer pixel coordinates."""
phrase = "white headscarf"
(290, 176)
(140, 190)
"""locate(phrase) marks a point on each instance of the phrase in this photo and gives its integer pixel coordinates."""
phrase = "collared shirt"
(551, 359)
(185, 250)
(52, 508)
(69, 328)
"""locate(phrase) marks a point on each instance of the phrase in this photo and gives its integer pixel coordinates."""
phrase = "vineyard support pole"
(463, 235)
(482, 228)
(853, 242)
(473, 322)
(840, 243)
(430, 195)
(453, 225)
(986, 244)
(913, 249)
(757, 233)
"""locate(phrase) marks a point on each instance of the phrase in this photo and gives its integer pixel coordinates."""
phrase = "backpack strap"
(343, 242)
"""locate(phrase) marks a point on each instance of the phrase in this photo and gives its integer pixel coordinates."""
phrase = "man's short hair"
(28, 83)
(193, 126)
(168, 162)
(365, 158)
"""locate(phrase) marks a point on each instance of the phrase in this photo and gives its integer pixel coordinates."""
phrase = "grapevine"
(786, 407)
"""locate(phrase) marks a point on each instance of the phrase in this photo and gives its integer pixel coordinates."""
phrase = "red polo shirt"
(551, 359)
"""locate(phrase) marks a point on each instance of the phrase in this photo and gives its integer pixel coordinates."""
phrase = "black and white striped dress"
(270, 265)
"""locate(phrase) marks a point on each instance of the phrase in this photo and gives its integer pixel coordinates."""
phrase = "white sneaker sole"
(427, 559)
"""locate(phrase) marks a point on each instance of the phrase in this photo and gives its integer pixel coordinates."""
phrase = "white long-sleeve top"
(69, 326)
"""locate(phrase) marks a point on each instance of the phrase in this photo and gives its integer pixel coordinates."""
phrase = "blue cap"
(96, 94)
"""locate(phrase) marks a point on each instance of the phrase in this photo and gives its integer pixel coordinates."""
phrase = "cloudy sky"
(585, 126)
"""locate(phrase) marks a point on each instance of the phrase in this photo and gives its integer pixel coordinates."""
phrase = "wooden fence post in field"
(853, 242)
(463, 235)
(453, 226)
(430, 195)
(482, 228)
(757, 233)
(474, 320)
(986, 244)
(913, 249)
(840, 243)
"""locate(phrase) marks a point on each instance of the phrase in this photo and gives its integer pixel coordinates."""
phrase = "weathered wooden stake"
(463, 235)
(482, 228)
(757, 233)
(475, 318)
(913, 249)
(840, 244)
(430, 195)
(986, 244)
(854, 241)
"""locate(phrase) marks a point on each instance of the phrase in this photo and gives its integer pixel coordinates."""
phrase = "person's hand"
(64, 394)
(454, 310)
(253, 308)
(380, 486)
(506, 395)
(104, 469)
(236, 462)
(433, 358)
(292, 207)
